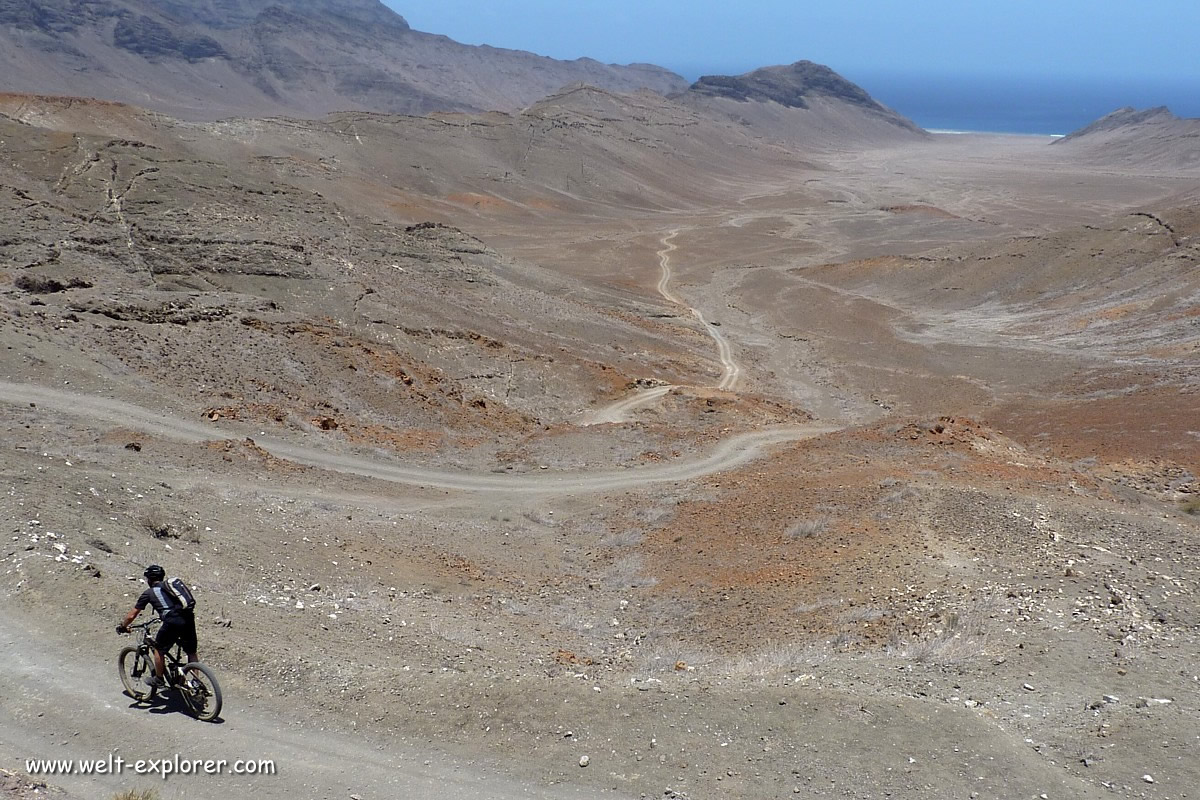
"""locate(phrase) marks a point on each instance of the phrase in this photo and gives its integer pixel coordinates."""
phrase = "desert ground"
(862, 470)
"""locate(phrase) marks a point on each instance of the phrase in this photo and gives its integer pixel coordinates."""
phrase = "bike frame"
(172, 659)
(194, 681)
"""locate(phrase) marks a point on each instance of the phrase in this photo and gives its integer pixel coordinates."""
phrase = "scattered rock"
(584, 761)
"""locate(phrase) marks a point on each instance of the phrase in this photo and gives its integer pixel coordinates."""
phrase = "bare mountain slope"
(581, 149)
(1151, 138)
(1127, 286)
(801, 102)
(264, 57)
(313, 247)
(235, 289)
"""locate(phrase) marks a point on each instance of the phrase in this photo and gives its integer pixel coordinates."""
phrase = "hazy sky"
(1144, 40)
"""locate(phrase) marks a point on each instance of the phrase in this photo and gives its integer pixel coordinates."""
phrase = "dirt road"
(730, 369)
(730, 453)
(42, 689)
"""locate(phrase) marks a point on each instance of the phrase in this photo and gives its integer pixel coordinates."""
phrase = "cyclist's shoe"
(155, 682)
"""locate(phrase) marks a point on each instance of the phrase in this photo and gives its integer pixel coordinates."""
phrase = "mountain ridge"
(262, 57)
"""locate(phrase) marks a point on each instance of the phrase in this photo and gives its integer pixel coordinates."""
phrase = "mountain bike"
(195, 682)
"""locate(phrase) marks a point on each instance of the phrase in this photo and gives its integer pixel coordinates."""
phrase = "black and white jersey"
(164, 601)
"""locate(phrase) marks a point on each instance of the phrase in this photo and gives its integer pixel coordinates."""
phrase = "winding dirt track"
(730, 369)
(731, 452)
(43, 684)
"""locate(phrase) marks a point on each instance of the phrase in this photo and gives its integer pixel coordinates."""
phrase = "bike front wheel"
(135, 667)
(201, 692)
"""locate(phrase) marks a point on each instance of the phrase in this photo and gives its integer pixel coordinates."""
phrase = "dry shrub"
(666, 656)
(156, 523)
(862, 614)
(625, 538)
(543, 518)
(817, 605)
(907, 493)
(159, 524)
(137, 794)
(963, 638)
(654, 515)
(806, 528)
(458, 631)
(625, 573)
(778, 659)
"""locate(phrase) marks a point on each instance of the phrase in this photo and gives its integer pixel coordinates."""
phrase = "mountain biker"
(178, 620)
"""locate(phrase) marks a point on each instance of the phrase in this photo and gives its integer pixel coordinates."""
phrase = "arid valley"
(621, 446)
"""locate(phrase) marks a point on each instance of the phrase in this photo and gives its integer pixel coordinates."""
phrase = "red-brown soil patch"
(1152, 422)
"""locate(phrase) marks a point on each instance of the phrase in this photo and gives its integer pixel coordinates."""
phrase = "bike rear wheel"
(134, 667)
(201, 692)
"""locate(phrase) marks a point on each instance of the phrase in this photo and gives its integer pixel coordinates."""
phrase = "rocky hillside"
(787, 85)
(1123, 119)
(1152, 137)
(804, 102)
(582, 149)
(218, 58)
(1126, 285)
(236, 290)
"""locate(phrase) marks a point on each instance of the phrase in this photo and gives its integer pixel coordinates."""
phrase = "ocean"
(1022, 105)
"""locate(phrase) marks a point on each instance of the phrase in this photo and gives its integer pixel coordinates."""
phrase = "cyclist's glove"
(122, 629)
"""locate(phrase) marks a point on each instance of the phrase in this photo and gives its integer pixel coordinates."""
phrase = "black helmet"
(154, 573)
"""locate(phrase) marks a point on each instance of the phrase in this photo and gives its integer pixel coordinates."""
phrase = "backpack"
(182, 594)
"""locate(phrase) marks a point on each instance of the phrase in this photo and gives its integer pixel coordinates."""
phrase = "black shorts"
(177, 629)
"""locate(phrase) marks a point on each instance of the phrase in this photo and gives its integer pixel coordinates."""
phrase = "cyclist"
(178, 620)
